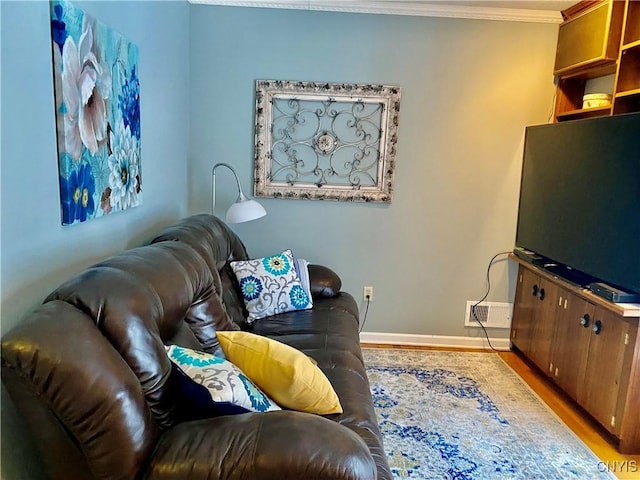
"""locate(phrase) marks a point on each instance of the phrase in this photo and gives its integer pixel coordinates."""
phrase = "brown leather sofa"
(89, 373)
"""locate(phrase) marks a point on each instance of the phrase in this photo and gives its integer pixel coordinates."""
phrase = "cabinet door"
(524, 307)
(598, 394)
(544, 325)
(591, 38)
(574, 320)
(532, 327)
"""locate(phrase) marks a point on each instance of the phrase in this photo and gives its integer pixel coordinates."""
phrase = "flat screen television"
(580, 198)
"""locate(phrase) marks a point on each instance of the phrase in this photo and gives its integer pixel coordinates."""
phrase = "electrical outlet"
(367, 294)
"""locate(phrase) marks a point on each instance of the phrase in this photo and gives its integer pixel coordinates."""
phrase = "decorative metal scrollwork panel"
(325, 141)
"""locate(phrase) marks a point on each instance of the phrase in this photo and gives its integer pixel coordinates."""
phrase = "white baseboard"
(434, 340)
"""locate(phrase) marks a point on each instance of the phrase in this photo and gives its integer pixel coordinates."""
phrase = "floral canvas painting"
(97, 100)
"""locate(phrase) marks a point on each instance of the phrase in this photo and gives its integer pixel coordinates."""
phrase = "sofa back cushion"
(218, 246)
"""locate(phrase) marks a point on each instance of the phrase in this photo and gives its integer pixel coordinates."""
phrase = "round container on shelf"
(593, 100)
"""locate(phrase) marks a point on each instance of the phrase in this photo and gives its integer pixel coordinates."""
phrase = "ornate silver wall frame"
(326, 141)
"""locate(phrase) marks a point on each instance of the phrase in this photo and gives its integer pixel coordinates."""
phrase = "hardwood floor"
(622, 466)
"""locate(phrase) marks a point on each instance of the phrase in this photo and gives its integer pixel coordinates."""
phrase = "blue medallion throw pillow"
(271, 285)
(226, 384)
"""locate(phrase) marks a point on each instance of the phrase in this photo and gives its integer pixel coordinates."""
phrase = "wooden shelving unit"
(583, 113)
(627, 93)
(632, 26)
(618, 25)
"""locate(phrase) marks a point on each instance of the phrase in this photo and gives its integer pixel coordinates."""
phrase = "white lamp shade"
(245, 210)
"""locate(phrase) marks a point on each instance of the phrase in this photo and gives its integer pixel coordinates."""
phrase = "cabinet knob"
(541, 294)
(584, 321)
(597, 327)
(534, 290)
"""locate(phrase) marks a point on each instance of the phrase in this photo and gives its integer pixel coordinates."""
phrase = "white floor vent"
(490, 314)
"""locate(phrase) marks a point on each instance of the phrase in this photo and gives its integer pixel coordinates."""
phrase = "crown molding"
(396, 7)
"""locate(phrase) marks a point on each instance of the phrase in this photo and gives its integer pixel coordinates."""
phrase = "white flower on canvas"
(123, 167)
(86, 83)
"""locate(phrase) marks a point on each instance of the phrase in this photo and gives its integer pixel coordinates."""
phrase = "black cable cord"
(473, 307)
(364, 320)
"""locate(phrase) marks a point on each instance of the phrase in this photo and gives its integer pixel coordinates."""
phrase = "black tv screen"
(580, 197)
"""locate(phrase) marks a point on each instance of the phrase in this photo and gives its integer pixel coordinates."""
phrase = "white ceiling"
(543, 11)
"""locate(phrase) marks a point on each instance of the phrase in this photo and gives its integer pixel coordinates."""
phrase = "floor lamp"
(244, 209)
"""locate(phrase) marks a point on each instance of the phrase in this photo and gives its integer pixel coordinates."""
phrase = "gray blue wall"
(37, 253)
(469, 87)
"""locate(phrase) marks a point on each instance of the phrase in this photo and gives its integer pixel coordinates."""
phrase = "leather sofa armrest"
(323, 281)
(286, 445)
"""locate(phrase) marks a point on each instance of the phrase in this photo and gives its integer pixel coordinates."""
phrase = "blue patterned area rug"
(465, 415)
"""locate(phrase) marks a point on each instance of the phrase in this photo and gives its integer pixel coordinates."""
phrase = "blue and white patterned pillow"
(270, 285)
(302, 267)
(225, 382)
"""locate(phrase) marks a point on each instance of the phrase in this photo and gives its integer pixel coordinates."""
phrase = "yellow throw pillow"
(285, 374)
